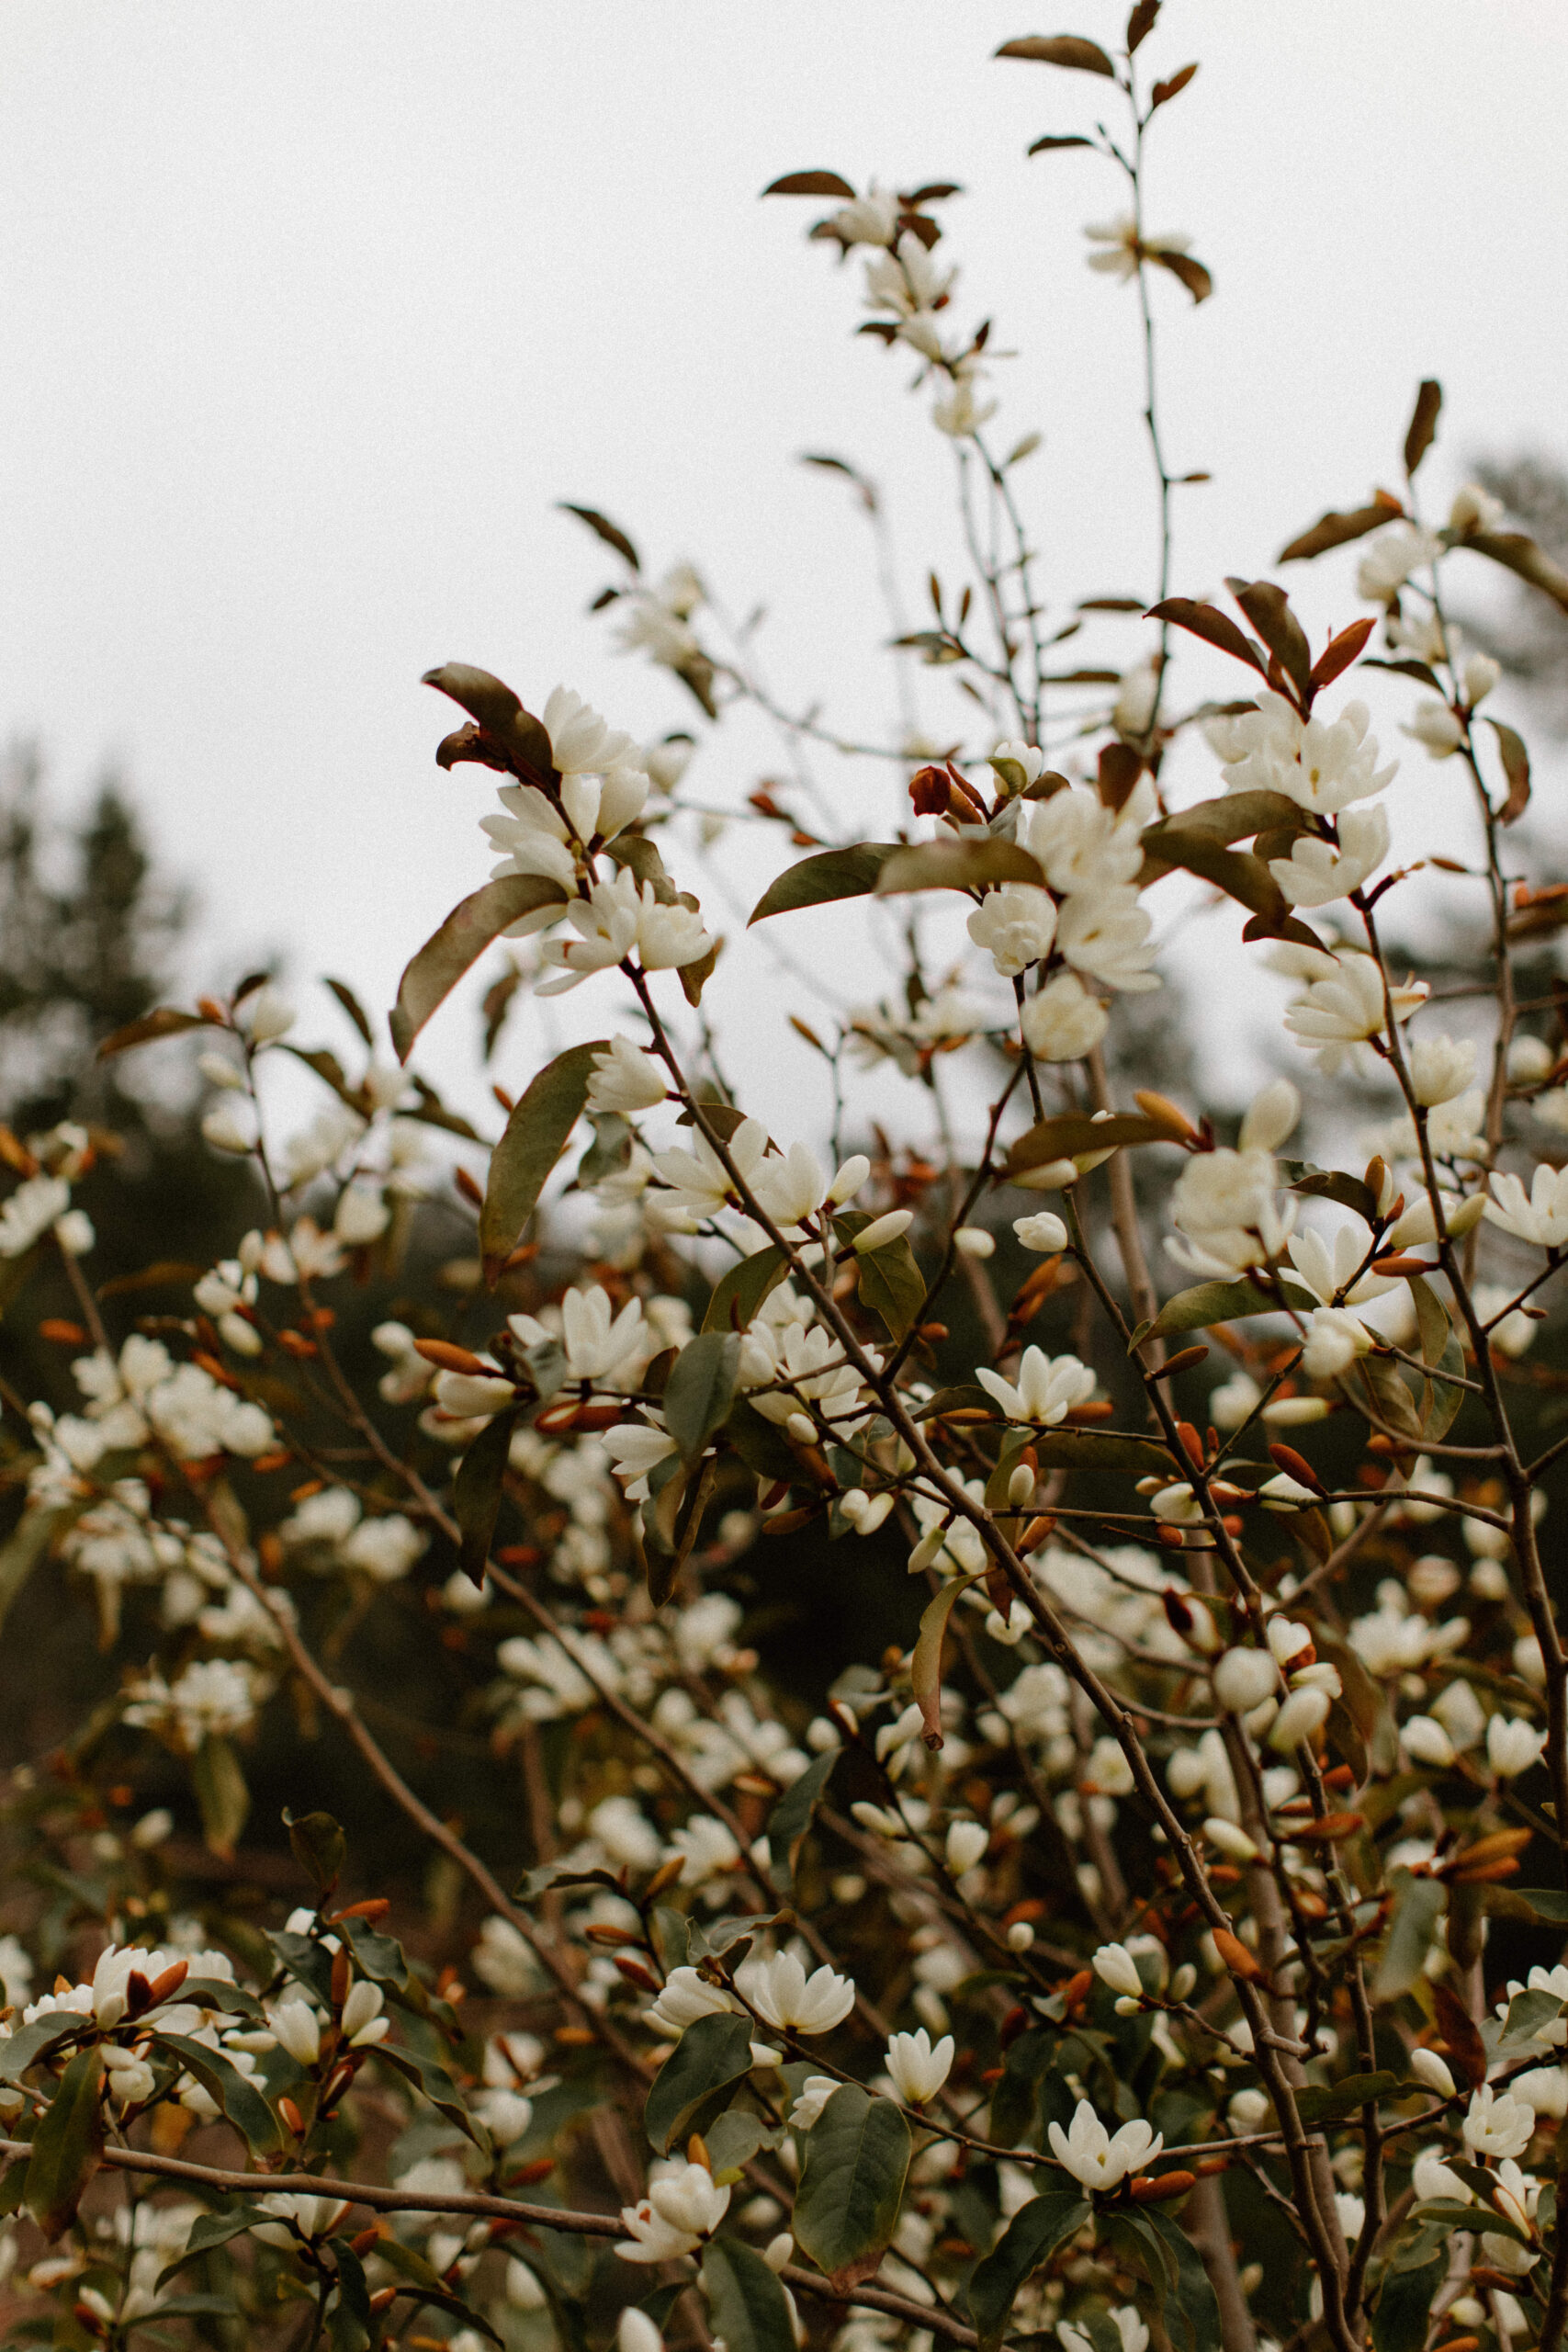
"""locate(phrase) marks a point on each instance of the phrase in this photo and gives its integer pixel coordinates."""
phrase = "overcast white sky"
(314, 312)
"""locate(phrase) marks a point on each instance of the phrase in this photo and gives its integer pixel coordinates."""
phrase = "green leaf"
(350, 2322)
(1343, 2097)
(213, 2229)
(318, 1846)
(23, 1549)
(892, 1285)
(1334, 1184)
(218, 1778)
(536, 1136)
(1071, 50)
(747, 2305)
(672, 1520)
(761, 1443)
(698, 2079)
(1441, 1352)
(68, 2144)
(958, 865)
(1404, 2315)
(1418, 1905)
(1031, 2238)
(1336, 529)
(1100, 1450)
(925, 1668)
(1546, 1903)
(1075, 1132)
(166, 1022)
(722, 1935)
(1448, 2210)
(831, 874)
(1194, 2296)
(308, 1961)
(462, 939)
(29, 2042)
(435, 2084)
(536, 1882)
(739, 1294)
(791, 1817)
(1209, 1302)
(236, 2096)
(857, 2154)
(1528, 2014)
(1015, 2100)
(734, 2140)
(477, 1490)
(1386, 1394)
(701, 1389)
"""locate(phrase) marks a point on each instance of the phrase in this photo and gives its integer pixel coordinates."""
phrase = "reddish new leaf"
(1338, 653)
(1163, 92)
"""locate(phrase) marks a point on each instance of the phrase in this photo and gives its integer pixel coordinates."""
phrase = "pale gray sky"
(313, 311)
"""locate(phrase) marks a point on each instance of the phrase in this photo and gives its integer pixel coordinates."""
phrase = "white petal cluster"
(1099, 2158)
(784, 1996)
(682, 2207)
(1322, 764)
(1046, 1388)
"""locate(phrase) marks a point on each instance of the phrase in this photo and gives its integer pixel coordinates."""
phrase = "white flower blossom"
(919, 2069)
(1095, 2156)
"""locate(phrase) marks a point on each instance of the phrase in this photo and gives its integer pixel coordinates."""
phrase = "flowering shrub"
(1110, 1959)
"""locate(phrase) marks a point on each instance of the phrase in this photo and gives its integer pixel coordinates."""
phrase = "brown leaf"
(1192, 274)
(810, 184)
(1336, 529)
(470, 745)
(1141, 24)
(1518, 553)
(603, 528)
(1061, 48)
(1120, 768)
(1517, 767)
(1163, 92)
(1212, 626)
(1042, 145)
(1423, 422)
(1268, 609)
(166, 1022)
